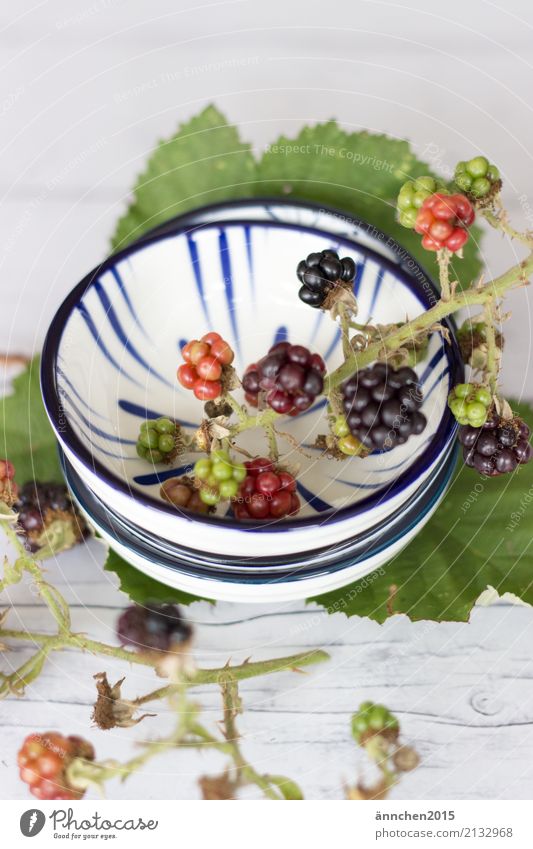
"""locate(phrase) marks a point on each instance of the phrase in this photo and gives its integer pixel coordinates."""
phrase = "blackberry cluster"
(40, 504)
(382, 406)
(182, 493)
(157, 440)
(266, 493)
(218, 477)
(470, 404)
(44, 759)
(153, 628)
(372, 719)
(319, 273)
(206, 360)
(412, 195)
(497, 447)
(443, 221)
(290, 376)
(477, 178)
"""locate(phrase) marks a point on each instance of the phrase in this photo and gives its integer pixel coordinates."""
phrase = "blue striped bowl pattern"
(112, 351)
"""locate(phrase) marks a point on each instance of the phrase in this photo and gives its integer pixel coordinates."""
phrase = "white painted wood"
(87, 86)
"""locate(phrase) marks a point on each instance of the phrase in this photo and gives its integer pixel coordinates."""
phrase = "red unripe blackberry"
(44, 759)
(266, 493)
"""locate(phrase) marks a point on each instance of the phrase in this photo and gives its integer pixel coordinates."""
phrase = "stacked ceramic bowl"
(110, 361)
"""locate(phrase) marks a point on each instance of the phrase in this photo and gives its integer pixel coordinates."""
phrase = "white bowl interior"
(120, 349)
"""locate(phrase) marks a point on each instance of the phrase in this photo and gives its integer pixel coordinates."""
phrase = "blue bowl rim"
(195, 220)
(216, 574)
(308, 559)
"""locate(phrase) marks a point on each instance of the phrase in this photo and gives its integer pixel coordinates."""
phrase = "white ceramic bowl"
(263, 584)
(112, 350)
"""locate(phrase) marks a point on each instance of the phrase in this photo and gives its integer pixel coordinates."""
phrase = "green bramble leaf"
(204, 162)
(479, 538)
(26, 436)
(142, 589)
(361, 173)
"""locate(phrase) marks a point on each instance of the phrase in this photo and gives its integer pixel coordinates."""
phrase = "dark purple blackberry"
(382, 406)
(153, 628)
(290, 377)
(40, 504)
(496, 448)
(319, 273)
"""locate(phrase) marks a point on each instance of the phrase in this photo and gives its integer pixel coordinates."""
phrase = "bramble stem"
(492, 368)
(443, 259)
(235, 406)
(58, 642)
(516, 275)
(500, 222)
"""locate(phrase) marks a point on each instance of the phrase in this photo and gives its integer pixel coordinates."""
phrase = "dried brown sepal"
(110, 709)
(210, 431)
(229, 379)
(387, 736)
(489, 199)
(217, 787)
(359, 792)
(339, 298)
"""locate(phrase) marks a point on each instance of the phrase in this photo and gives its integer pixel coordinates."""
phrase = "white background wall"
(86, 89)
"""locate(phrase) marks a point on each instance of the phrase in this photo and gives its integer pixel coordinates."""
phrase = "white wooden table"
(87, 86)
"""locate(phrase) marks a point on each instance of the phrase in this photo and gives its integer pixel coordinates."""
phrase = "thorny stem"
(239, 411)
(516, 275)
(443, 259)
(500, 222)
(492, 367)
(273, 451)
(50, 595)
(345, 330)
(58, 642)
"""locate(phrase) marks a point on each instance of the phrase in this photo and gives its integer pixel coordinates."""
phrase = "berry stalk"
(515, 276)
(243, 671)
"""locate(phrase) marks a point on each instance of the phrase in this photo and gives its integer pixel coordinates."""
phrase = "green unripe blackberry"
(411, 197)
(477, 178)
(470, 404)
(218, 477)
(158, 440)
(372, 719)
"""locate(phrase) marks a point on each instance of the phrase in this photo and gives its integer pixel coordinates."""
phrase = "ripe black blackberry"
(498, 447)
(40, 504)
(153, 628)
(319, 273)
(382, 406)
